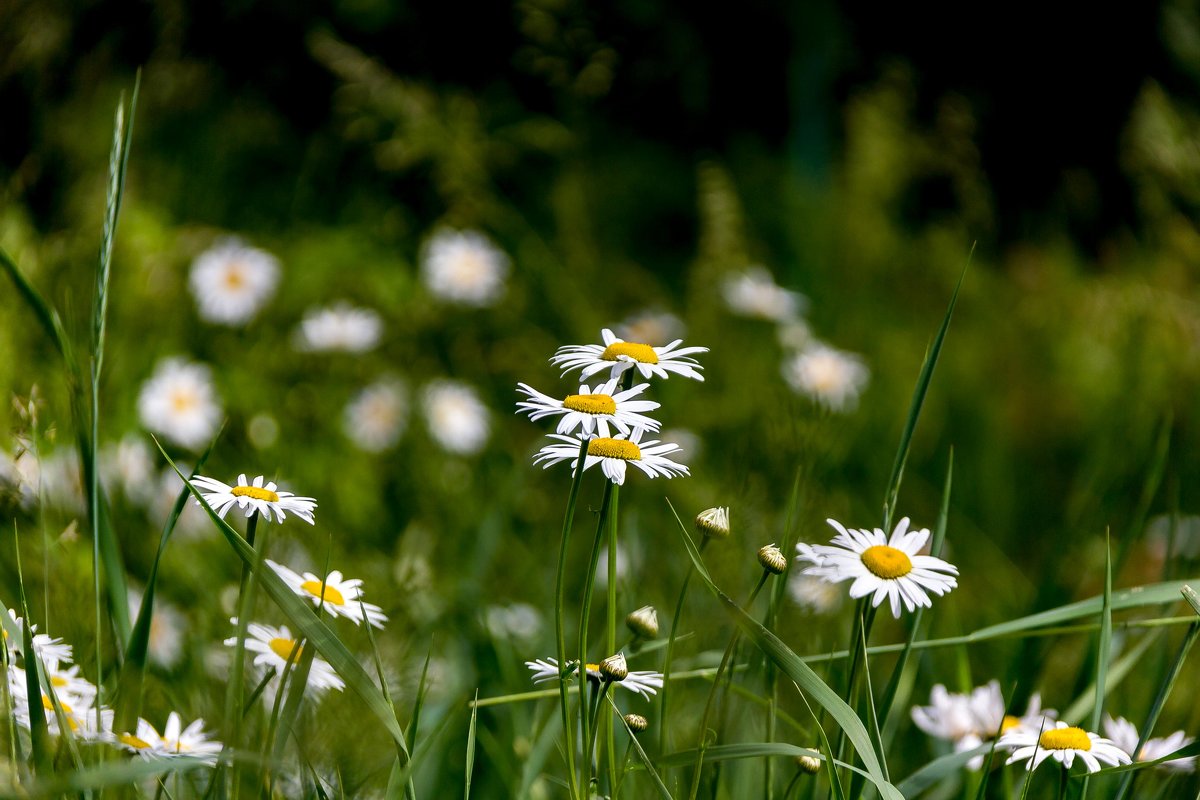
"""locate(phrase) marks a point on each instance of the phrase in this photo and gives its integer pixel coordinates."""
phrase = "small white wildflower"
(376, 417)
(464, 267)
(231, 281)
(340, 327)
(180, 403)
(457, 419)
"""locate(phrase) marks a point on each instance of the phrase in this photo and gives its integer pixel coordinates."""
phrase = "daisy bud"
(809, 764)
(643, 622)
(614, 668)
(772, 559)
(636, 722)
(714, 522)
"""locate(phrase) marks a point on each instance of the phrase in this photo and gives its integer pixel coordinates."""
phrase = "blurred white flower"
(832, 378)
(970, 720)
(180, 403)
(46, 648)
(464, 267)
(61, 480)
(456, 418)
(754, 293)
(1124, 735)
(192, 520)
(130, 464)
(231, 281)
(376, 416)
(339, 327)
(814, 594)
(516, 621)
(651, 325)
(167, 629)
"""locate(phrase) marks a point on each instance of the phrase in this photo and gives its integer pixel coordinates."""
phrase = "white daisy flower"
(814, 594)
(179, 403)
(79, 713)
(339, 327)
(457, 419)
(592, 410)
(168, 627)
(274, 646)
(190, 741)
(464, 267)
(145, 741)
(617, 356)
(886, 568)
(832, 378)
(612, 454)
(754, 293)
(516, 621)
(231, 281)
(67, 682)
(45, 647)
(376, 416)
(1064, 743)
(645, 683)
(252, 497)
(970, 720)
(1124, 734)
(342, 598)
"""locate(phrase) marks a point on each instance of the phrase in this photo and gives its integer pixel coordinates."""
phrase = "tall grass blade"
(470, 771)
(938, 770)
(42, 310)
(1103, 647)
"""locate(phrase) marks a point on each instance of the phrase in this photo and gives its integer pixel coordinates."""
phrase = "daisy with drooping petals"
(612, 454)
(1064, 743)
(342, 598)
(884, 567)
(643, 682)
(232, 280)
(592, 410)
(274, 646)
(339, 327)
(251, 497)
(180, 403)
(617, 356)
(1124, 735)
(832, 378)
(464, 267)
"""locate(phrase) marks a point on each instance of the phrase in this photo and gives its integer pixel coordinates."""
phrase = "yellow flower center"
(643, 353)
(1065, 739)
(133, 741)
(590, 403)
(614, 448)
(49, 706)
(285, 647)
(183, 401)
(1009, 723)
(234, 279)
(57, 682)
(330, 595)
(887, 562)
(255, 492)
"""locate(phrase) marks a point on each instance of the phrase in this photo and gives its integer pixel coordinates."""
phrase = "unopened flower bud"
(714, 522)
(614, 668)
(643, 622)
(810, 764)
(772, 559)
(636, 722)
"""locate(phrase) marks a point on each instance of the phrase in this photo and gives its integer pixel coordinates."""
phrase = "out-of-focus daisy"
(617, 356)
(376, 416)
(339, 327)
(754, 293)
(144, 741)
(881, 566)
(516, 621)
(338, 596)
(457, 419)
(130, 464)
(464, 267)
(592, 410)
(190, 741)
(644, 682)
(814, 594)
(180, 403)
(969, 720)
(1064, 743)
(79, 714)
(46, 647)
(612, 454)
(167, 629)
(266, 499)
(833, 378)
(651, 325)
(1124, 734)
(231, 281)
(274, 646)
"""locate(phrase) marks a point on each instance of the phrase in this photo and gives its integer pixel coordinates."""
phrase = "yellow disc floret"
(1065, 739)
(887, 562)
(331, 595)
(255, 492)
(1009, 723)
(642, 353)
(284, 647)
(590, 403)
(614, 448)
(133, 741)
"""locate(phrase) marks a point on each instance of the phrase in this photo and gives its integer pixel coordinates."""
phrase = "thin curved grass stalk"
(233, 694)
(610, 647)
(560, 620)
(646, 762)
(585, 611)
(664, 739)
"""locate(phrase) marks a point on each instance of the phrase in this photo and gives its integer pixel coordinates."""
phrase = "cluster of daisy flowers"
(832, 378)
(69, 699)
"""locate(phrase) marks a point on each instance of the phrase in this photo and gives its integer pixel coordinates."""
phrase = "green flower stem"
(559, 620)
(583, 629)
(610, 643)
(663, 737)
(234, 690)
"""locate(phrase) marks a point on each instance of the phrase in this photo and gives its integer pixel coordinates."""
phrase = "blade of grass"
(1103, 647)
(938, 770)
(1117, 672)
(470, 770)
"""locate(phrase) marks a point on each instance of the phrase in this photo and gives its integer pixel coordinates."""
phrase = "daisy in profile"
(340, 327)
(273, 648)
(831, 378)
(457, 419)
(79, 714)
(254, 497)
(754, 293)
(190, 741)
(464, 267)
(617, 356)
(592, 410)
(1124, 735)
(377, 415)
(46, 647)
(645, 683)
(180, 403)
(338, 596)
(613, 454)
(1064, 743)
(144, 741)
(231, 281)
(969, 720)
(879, 566)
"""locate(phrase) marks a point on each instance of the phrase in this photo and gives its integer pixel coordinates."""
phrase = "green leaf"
(115, 773)
(470, 770)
